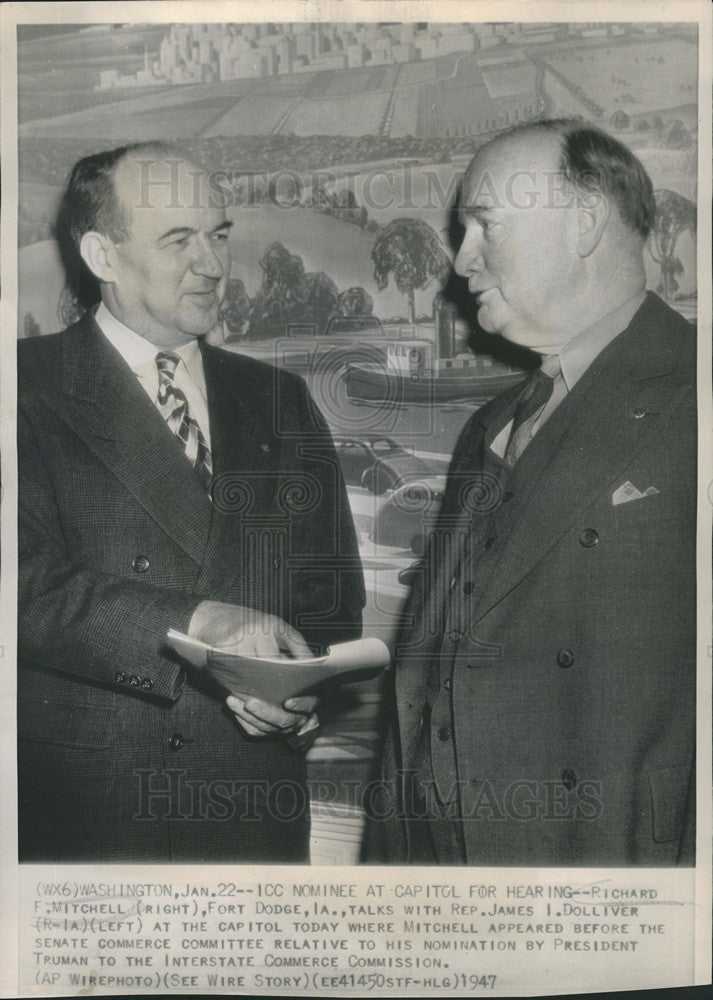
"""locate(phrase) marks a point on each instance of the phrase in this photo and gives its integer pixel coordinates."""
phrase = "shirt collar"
(579, 353)
(134, 349)
(138, 351)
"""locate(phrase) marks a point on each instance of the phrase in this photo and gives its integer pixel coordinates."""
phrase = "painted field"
(361, 80)
(251, 116)
(356, 114)
(156, 113)
(404, 119)
(638, 77)
(510, 81)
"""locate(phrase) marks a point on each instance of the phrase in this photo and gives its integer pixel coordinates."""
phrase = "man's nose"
(469, 259)
(210, 258)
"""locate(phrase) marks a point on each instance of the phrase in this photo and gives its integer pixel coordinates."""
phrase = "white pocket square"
(628, 492)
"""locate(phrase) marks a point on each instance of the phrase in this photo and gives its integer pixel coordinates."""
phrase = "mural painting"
(338, 151)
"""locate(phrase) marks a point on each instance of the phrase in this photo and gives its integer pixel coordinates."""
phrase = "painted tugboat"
(421, 370)
(407, 378)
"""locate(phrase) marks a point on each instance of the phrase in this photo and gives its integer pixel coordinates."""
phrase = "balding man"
(545, 686)
(165, 484)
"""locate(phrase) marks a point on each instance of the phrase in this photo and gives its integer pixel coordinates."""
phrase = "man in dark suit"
(545, 686)
(166, 484)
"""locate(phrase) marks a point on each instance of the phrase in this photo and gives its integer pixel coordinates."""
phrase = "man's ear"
(592, 218)
(95, 249)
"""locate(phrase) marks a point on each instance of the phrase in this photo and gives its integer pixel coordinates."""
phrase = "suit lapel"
(418, 650)
(107, 407)
(244, 451)
(237, 413)
(609, 416)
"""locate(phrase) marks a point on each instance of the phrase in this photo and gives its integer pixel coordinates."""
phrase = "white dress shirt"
(140, 356)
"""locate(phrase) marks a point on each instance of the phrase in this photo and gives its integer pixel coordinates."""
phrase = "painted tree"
(355, 301)
(279, 295)
(290, 297)
(620, 119)
(676, 136)
(236, 306)
(282, 268)
(411, 251)
(347, 208)
(674, 215)
(319, 296)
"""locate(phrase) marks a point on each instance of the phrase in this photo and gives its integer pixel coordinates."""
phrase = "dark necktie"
(535, 395)
(174, 409)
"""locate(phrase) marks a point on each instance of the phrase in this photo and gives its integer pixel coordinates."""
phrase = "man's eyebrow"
(189, 231)
(182, 230)
(473, 210)
(482, 213)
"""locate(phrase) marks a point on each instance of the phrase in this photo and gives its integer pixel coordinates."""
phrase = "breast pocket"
(654, 527)
(645, 510)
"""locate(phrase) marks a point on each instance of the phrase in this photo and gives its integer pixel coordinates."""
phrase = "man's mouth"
(203, 294)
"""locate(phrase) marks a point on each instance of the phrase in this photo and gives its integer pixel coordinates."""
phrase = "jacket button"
(468, 587)
(565, 658)
(140, 564)
(639, 413)
(147, 684)
(588, 538)
(265, 446)
(447, 684)
(120, 677)
(444, 733)
(134, 681)
(176, 741)
(569, 779)
(454, 635)
(489, 542)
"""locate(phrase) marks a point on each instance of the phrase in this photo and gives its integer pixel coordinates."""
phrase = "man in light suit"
(166, 484)
(545, 686)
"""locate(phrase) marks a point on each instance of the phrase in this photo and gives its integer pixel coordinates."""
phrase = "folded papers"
(276, 680)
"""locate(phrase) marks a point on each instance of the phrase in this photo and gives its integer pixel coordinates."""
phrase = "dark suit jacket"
(573, 691)
(118, 542)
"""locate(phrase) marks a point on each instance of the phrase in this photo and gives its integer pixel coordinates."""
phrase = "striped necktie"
(535, 396)
(174, 409)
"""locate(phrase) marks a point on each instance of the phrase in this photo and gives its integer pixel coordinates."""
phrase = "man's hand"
(260, 718)
(237, 629)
